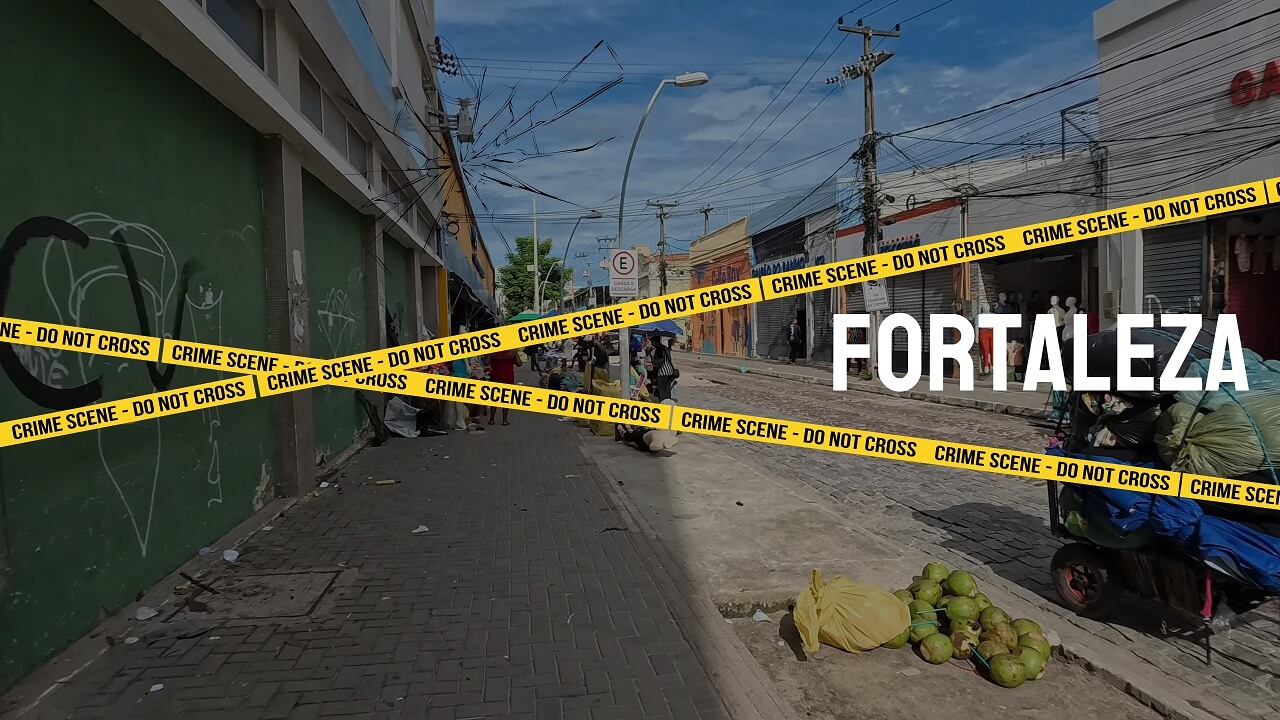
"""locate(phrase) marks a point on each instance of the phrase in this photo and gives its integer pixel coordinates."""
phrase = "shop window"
(312, 97)
(243, 22)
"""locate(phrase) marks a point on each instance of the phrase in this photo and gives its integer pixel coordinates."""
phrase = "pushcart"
(1097, 566)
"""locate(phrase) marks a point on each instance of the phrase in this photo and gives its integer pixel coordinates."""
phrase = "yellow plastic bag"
(609, 389)
(847, 615)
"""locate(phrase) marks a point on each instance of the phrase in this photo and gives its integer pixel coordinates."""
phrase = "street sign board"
(624, 274)
(875, 296)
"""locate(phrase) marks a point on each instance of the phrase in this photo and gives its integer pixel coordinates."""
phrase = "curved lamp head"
(691, 79)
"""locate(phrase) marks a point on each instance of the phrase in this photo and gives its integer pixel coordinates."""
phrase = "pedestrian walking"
(858, 336)
(664, 369)
(502, 369)
(796, 339)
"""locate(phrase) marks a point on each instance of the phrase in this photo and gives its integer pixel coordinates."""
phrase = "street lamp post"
(691, 79)
(545, 280)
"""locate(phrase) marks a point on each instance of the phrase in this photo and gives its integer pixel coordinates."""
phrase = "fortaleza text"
(951, 337)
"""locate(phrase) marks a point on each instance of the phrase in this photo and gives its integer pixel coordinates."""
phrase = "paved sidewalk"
(526, 598)
(997, 527)
(1013, 401)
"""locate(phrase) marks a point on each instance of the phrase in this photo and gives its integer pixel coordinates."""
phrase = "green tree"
(517, 280)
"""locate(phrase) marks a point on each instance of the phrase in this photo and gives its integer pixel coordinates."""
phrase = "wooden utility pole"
(662, 241)
(706, 211)
(865, 69)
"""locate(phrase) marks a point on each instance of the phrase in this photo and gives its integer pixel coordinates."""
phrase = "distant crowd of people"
(652, 368)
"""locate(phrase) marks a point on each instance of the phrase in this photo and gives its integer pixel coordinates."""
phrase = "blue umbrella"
(553, 312)
(662, 326)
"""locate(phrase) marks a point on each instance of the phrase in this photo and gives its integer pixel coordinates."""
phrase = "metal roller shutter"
(939, 297)
(906, 295)
(1173, 268)
(773, 317)
(855, 301)
(822, 329)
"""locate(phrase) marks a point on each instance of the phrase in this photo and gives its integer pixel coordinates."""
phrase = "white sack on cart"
(401, 418)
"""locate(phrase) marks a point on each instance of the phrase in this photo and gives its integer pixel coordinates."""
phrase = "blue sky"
(961, 57)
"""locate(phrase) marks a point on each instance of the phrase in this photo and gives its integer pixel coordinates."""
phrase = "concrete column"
(416, 299)
(375, 293)
(430, 300)
(1131, 290)
(288, 328)
(444, 312)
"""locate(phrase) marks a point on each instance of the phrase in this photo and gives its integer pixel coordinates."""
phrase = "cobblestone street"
(988, 521)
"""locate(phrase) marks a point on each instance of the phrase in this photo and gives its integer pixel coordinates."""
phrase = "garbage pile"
(1224, 432)
(941, 614)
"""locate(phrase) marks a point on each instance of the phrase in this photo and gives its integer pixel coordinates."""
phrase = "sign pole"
(623, 283)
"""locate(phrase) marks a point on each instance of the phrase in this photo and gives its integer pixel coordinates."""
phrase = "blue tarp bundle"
(1226, 545)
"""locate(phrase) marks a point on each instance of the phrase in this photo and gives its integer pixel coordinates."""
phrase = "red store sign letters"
(1246, 87)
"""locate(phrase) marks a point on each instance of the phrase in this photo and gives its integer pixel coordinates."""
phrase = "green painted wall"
(399, 262)
(103, 133)
(335, 288)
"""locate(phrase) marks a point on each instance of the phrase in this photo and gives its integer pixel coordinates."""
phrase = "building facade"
(1207, 128)
(722, 256)
(260, 175)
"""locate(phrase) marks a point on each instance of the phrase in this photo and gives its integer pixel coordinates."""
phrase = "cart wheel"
(1082, 577)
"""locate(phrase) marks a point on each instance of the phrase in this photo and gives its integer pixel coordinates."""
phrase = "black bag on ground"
(1101, 355)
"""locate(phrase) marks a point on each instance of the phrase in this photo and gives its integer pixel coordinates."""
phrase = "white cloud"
(543, 13)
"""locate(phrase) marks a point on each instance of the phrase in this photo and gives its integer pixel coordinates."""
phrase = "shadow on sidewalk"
(1018, 548)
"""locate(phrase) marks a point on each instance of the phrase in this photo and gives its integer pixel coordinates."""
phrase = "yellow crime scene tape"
(678, 418)
(375, 370)
(820, 277)
(285, 373)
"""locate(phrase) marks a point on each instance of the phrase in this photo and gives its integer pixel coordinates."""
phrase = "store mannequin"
(1015, 300)
(1002, 306)
(1240, 246)
(1068, 326)
(986, 338)
(1059, 315)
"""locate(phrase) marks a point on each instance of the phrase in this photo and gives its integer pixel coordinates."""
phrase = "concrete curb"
(745, 689)
(983, 405)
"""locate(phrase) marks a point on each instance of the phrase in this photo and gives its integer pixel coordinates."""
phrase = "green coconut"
(934, 571)
(1037, 642)
(1024, 626)
(962, 645)
(992, 616)
(921, 610)
(970, 628)
(904, 595)
(926, 590)
(1032, 660)
(983, 601)
(962, 610)
(1002, 633)
(988, 649)
(946, 600)
(962, 584)
(922, 629)
(1007, 671)
(899, 641)
(936, 649)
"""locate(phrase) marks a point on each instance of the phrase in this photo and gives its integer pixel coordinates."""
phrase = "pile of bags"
(1224, 433)
(1228, 432)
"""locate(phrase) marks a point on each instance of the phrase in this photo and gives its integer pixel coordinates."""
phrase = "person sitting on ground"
(646, 439)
